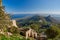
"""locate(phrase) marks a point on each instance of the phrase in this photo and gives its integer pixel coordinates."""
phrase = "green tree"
(52, 32)
(13, 30)
(35, 27)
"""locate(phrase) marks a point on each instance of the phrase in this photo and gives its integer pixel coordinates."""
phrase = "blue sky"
(32, 6)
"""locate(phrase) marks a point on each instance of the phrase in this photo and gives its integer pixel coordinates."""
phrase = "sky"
(32, 6)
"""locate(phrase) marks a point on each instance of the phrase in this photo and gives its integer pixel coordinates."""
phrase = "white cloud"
(39, 12)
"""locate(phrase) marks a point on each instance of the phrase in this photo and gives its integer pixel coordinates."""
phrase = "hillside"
(7, 31)
(4, 18)
(51, 19)
(36, 18)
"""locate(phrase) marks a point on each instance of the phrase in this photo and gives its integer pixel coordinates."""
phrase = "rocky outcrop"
(14, 23)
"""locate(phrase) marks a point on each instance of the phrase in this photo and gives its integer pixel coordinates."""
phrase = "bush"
(13, 30)
(52, 32)
(13, 37)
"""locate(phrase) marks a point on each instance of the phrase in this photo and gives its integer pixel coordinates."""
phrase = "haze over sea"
(14, 16)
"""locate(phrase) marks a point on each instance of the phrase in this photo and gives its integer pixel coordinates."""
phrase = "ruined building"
(28, 32)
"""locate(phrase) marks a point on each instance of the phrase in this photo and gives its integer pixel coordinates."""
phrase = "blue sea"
(15, 16)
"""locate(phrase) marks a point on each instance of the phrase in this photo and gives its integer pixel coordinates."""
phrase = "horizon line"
(51, 12)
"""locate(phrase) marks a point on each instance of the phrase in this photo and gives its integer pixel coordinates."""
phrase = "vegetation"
(13, 37)
(49, 26)
(53, 32)
(51, 29)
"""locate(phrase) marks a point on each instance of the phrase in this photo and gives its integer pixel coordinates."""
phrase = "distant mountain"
(19, 16)
(27, 19)
(51, 19)
(35, 18)
(57, 18)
